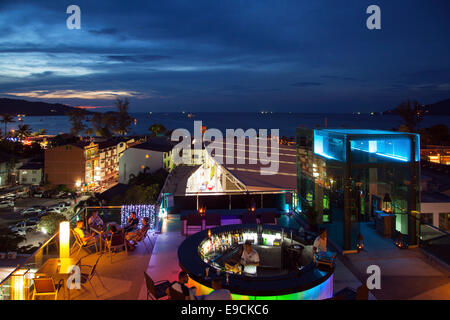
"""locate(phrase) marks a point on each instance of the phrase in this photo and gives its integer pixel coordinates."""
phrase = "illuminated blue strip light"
(332, 147)
(395, 157)
(319, 147)
(396, 149)
(321, 292)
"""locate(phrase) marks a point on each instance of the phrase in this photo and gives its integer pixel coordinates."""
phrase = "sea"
(285, 122)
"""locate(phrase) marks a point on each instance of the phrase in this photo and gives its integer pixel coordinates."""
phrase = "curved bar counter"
(286, 271)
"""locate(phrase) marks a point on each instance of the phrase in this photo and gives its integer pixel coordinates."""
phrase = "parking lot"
(11, 216)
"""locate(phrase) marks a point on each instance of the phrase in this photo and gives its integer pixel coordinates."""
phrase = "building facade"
(74, 165)
(343, 176)
(436, 154)
(31, 173)
(149, 156)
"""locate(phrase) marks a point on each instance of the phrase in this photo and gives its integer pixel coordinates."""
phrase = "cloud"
(42, 74)
(306, 84)
(78, 94)
(339, 78)
(136, 58)
(109, 31)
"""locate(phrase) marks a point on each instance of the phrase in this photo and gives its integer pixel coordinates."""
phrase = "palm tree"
(411, 115)
(157, 128)
(123, 118)
(90, 131)
(103, 124)
(42, 132)
(24, 131)
(76, 117)
(6, 118)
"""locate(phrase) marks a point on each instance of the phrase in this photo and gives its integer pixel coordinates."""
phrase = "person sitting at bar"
(95, 221)
(82, 233)
(178, 289)
(134, 237)
(320, 244)
(250, 256)
(218, 293)
(132, 222)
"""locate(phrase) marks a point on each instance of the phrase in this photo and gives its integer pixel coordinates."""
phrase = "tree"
(76, 118)
(50, 223)
(63, 139)
(23, 132)
(139, 194)
(435, 135)
(92, 201)
(9, 241)
(411, 115)
(103, 124)
(157, 128)
(143, 188)
(6, 118)
(11, 167)
(42, 132)
(124, 120)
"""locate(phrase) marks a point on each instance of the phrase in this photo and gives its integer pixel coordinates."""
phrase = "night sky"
(227, 55)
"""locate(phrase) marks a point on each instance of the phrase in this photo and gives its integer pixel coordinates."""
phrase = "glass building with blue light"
(344, 174)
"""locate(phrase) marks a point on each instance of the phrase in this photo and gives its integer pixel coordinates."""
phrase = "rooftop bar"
(286, 270)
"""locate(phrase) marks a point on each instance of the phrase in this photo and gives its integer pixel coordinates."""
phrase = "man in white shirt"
(250, 256)
(320, 244)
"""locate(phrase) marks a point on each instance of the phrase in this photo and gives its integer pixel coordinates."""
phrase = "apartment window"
(24, 179)
(33, 180)
(444, 221)
(427, 218)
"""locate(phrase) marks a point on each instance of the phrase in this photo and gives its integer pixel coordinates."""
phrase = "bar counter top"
(294, 281)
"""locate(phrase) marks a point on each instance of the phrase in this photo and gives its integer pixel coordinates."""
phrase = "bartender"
(320, 244)
(250, 256)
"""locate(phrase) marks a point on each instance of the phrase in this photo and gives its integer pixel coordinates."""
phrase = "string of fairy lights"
(142, 211)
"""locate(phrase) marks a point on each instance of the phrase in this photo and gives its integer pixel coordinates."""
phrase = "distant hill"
(34, 108)
(438, 108)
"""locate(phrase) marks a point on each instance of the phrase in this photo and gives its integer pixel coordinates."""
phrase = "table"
(385, 224)
(50, 269)
(100, 232)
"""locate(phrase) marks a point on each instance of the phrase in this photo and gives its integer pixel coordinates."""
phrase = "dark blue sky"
(227, 55)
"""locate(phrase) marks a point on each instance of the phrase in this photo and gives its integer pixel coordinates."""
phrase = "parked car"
(40, 207)
(42, 214)
(22, 194)
(29, 211)
(7, 197)
(38, 195)
(24, 226)
(53, 210)
(60, 195)
(6, 204)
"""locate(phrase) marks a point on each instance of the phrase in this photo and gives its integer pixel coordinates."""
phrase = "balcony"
(122, 277)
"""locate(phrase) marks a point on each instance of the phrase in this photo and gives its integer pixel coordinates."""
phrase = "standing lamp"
(387, 203)
(360, 243)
